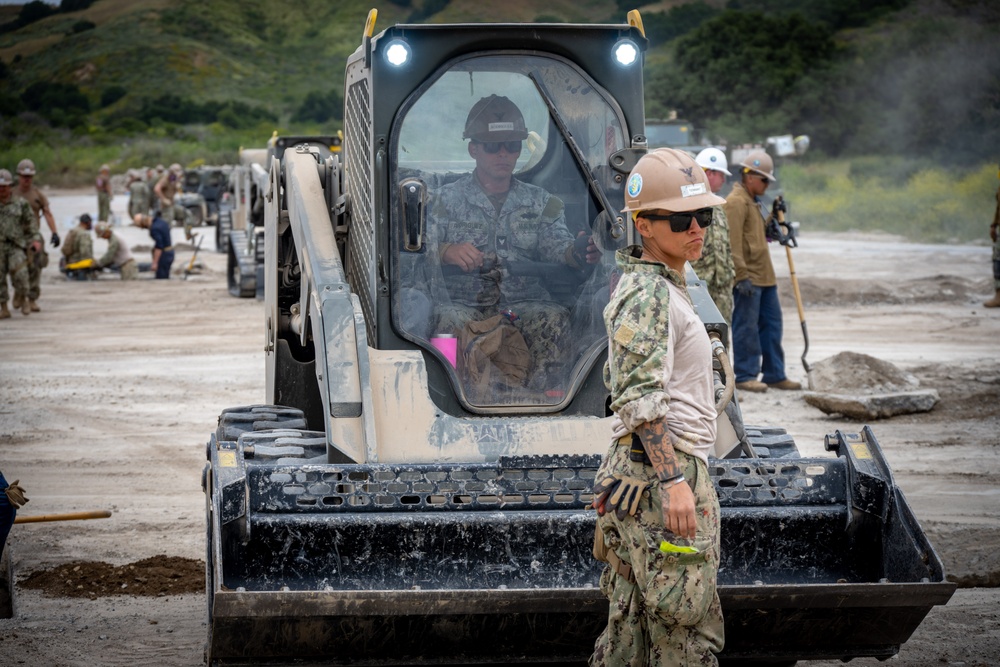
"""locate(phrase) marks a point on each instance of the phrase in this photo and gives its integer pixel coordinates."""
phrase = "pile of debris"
(862, 387)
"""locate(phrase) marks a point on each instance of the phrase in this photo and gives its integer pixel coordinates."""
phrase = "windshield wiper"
(618, 224)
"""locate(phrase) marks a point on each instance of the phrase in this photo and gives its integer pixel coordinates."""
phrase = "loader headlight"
(626, 52)
(397, 52)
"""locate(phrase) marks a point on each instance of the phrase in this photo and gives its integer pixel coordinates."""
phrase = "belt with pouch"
(637, 452)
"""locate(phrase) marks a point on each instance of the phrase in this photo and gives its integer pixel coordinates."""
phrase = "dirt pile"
(157, 576)
(859, 373)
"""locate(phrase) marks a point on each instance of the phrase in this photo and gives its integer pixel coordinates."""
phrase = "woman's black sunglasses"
(680, 222)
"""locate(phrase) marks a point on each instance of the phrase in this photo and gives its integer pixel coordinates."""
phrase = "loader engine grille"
(360, 266)
(558, 483)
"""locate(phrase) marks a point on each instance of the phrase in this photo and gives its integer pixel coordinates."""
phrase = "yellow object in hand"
(670, 548)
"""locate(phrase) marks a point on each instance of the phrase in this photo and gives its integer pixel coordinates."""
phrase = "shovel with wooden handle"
(786, 237)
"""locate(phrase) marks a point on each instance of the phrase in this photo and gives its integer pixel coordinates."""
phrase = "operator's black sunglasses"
(680, 222)
(493, 147)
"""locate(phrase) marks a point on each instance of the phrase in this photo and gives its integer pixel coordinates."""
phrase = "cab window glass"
(503, 259)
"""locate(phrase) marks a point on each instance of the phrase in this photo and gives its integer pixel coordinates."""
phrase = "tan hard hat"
(26, 167)
(102, 228)
(761, 163)
(495, 118)
(668, 179)
(106, 168)
(6, 179)
(175, 167)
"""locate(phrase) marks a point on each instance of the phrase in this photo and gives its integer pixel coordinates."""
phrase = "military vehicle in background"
(202, 189)
(674, 132)
(684, 135)
(239, 232)
(385, 507)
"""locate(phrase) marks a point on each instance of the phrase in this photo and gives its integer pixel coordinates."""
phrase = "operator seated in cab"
(493, 234)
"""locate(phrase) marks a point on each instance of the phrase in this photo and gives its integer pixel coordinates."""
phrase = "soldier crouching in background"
(78, 252)
(118, 256)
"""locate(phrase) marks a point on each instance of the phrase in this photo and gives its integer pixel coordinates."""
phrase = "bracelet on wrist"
(677, 479)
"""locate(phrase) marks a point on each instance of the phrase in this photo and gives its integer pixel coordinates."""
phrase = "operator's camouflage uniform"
(530, 226)
(716, 266)
(38, 202)
(16, 231)
(666, 612)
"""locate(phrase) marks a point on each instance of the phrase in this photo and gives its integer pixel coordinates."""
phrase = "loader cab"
(522, 330)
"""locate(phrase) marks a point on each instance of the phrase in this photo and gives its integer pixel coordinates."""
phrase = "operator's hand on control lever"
(744, 287)
(677, 501)
(585, 250)
(463, 255)
(54, 240)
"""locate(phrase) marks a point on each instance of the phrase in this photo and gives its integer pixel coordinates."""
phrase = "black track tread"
(234, 421)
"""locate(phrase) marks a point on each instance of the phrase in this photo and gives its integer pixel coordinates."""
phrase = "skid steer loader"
(389, 506)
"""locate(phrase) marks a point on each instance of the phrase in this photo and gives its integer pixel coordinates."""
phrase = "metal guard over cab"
(391, 514)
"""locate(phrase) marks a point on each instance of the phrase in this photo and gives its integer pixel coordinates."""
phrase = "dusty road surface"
(107, 397)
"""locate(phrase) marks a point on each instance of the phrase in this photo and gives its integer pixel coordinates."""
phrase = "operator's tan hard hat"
(668, 179)
(106, 168)
(761, 163)
(6, 179)
(26, 167)
(495, 118)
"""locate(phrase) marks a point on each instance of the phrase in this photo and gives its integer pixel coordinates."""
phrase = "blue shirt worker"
(163, 249)
(658, 513)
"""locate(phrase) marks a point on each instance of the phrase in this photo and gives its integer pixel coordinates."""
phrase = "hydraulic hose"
(729, 386)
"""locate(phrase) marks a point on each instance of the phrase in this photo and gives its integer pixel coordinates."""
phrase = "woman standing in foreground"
(658, 514)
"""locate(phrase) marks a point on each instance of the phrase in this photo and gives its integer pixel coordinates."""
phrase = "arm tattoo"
(658, 442)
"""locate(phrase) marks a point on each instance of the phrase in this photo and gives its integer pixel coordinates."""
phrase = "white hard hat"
(713, 158)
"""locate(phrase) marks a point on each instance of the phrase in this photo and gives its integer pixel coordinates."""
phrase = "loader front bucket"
(491, 563)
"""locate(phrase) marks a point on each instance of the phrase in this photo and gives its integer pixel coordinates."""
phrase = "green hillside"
(888, 90)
